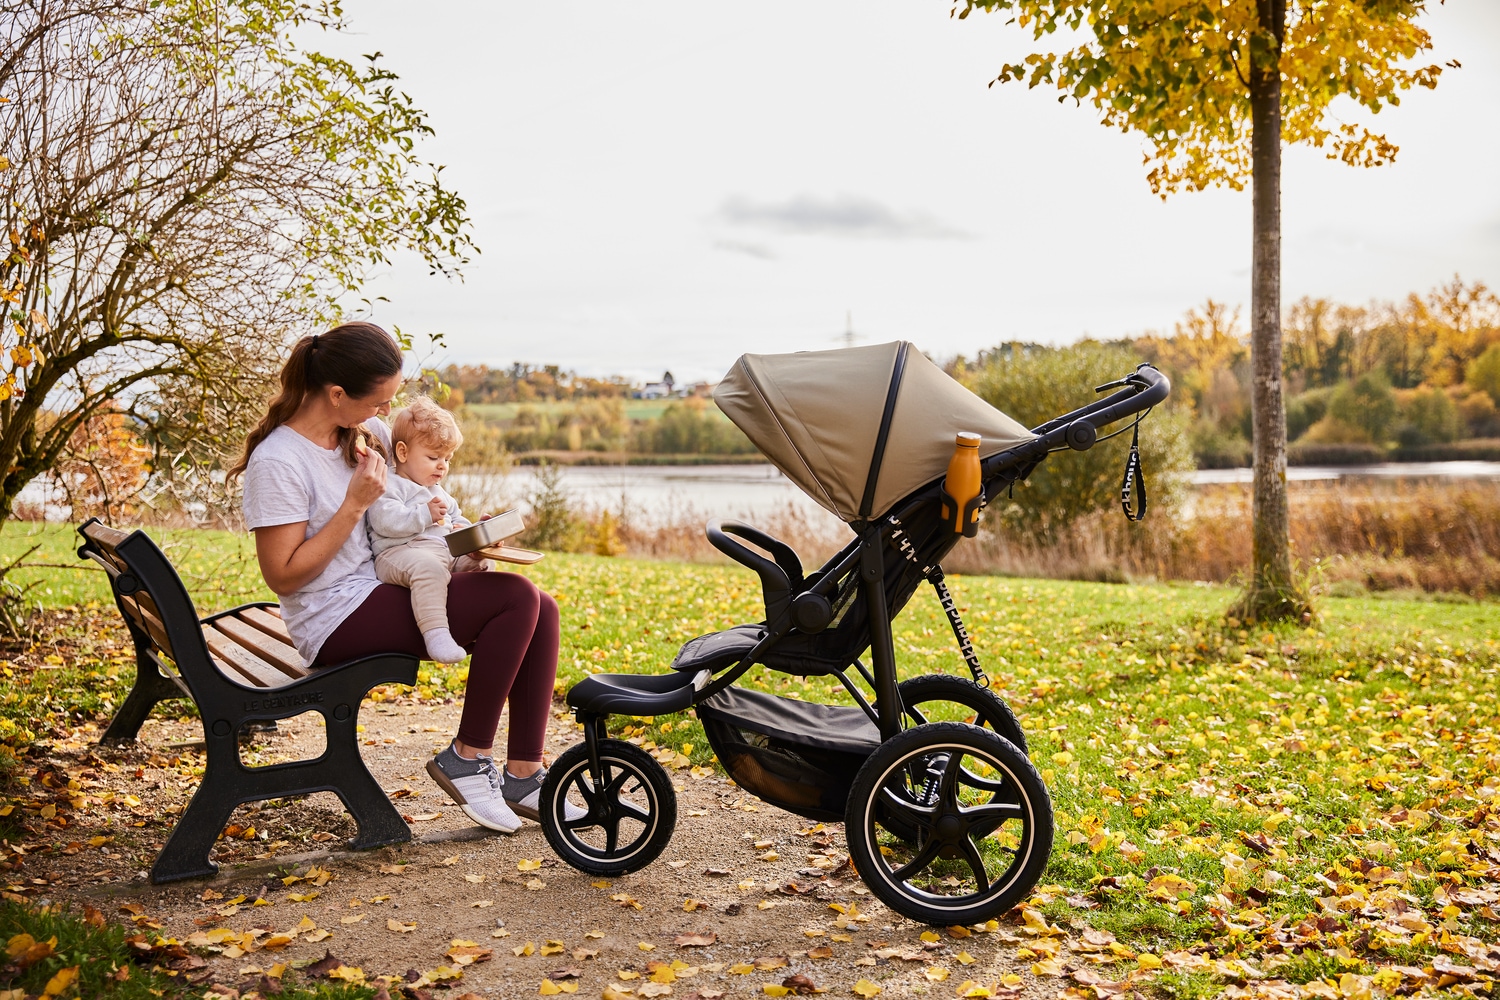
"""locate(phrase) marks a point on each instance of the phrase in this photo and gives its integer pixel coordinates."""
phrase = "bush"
(1214, 448)
(1428, 416)
(1305, 409)
(1033, 384)
(1479, 412)
(1367, 403)
(689, 427)
(1332, 430)
(1484, 373)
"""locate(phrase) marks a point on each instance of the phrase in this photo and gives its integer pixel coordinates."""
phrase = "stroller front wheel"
(981, 815)
(629, 808)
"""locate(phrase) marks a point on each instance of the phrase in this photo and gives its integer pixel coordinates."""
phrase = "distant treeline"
(684, 427)
(524, 383)
(1416, 379)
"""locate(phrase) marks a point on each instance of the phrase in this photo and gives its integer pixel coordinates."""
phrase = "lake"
(662, 494)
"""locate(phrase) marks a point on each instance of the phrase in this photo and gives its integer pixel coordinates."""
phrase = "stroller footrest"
(636, 694)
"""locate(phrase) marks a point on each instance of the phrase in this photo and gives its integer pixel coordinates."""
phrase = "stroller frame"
(901, 764)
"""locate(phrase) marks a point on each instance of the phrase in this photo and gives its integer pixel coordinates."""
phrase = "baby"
(408, 524)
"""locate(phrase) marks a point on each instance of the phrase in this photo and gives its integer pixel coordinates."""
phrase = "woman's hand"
(289, 560)
(368, 483)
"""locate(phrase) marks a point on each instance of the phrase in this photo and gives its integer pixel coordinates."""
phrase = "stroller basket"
(799, 756)
(945, 818)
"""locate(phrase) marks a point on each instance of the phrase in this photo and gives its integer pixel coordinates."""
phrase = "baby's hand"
(438, 509)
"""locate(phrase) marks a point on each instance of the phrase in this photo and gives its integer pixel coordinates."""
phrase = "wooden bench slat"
(275, 652)
(229, 656)
(270, 624)
(146, 618)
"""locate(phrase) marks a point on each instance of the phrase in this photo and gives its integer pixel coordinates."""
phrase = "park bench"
(238, 667)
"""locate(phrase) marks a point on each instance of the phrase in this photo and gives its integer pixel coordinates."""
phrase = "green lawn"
(1315, 802)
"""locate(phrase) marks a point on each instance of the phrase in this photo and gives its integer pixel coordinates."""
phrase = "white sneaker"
(441, 646)
(477, 787)
(525, 795)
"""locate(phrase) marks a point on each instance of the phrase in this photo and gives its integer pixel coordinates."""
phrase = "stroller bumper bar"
(1143, 389)
(636, 694)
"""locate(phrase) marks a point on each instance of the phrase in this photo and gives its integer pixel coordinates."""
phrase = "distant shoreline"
(629, 458)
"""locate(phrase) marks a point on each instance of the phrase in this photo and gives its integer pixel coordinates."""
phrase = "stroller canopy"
(818, 416)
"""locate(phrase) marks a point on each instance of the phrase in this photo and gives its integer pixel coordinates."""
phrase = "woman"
(309, 478)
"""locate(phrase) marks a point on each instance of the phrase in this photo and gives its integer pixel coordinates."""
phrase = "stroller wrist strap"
(1134, 481)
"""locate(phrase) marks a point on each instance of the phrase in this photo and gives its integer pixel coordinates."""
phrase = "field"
(1236, 809)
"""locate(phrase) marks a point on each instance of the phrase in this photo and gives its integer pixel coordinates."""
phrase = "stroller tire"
(627, 825)
(926, 698)
(982, 816)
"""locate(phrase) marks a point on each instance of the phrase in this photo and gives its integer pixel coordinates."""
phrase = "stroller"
(947, 822)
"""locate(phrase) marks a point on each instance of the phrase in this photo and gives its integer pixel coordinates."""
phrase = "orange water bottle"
(963, 489)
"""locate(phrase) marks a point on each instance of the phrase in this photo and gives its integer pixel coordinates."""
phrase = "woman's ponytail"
(354, 356)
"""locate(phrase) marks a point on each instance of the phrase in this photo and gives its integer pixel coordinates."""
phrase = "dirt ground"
(773, 892)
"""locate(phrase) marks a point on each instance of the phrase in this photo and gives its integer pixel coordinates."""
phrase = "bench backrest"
(248, 645)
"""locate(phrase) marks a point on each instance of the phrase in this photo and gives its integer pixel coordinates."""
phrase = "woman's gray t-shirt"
(290, 479)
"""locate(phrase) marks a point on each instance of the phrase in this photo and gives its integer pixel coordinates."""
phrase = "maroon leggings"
(509, 626)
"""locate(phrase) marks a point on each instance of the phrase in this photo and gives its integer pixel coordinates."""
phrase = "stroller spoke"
(925, 857)
(631, 810)
(993, 814)
(905, 810)
(976, 863)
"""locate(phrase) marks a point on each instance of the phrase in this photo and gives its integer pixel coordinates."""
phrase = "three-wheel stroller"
(947, 822)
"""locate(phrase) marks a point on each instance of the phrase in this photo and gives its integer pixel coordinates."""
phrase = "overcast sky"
(671, 184)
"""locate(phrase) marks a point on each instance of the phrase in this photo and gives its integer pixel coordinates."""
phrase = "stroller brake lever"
(1117, 383)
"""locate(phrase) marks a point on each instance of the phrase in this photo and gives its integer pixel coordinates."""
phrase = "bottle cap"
(967, 439)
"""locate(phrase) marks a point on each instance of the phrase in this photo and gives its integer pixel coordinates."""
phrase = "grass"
(1320, 801)
(58, 952)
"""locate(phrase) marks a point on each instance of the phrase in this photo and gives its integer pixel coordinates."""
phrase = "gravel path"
(771, 891)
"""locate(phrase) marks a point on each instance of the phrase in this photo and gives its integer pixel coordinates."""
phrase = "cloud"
(755, 250)
(839, 215)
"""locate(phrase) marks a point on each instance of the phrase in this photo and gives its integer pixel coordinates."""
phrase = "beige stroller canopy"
(817, 415)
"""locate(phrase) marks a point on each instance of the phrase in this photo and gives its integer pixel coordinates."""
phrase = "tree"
(1216, 87)
(1034, 383)
(185, 189)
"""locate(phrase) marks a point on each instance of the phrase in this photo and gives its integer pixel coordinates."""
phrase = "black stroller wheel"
(629, 815)
(945, 698)
(982, 816)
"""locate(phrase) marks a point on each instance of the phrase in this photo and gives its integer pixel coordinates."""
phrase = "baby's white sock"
(441, 647)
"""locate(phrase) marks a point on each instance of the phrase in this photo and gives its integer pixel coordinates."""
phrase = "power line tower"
(849, 336)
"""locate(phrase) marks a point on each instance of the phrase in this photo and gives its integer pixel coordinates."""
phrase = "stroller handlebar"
(1141, 389)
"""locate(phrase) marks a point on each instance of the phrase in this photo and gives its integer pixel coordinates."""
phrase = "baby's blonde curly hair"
(424, 421)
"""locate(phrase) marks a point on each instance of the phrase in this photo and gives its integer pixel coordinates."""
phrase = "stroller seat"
(636, 694)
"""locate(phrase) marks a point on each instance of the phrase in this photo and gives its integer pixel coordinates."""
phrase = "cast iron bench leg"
(227, 783)
(150, 688)
(186, 854)
(380, 823)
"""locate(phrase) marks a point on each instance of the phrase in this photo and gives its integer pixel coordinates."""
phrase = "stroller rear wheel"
(981, 815)
(945, 698)
(630, 808)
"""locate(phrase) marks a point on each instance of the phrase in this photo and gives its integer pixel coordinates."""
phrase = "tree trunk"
(1272, 592)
